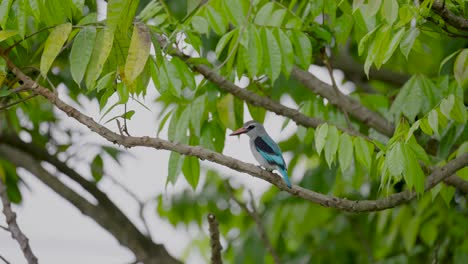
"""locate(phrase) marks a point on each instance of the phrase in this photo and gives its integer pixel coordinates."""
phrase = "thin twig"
(4, 260)
(141, 204)
(4, 107)
(257, 219)
(214, 240)
(13, 227)
(5, 228)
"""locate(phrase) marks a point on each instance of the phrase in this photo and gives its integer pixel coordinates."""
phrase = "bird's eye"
(250, 127)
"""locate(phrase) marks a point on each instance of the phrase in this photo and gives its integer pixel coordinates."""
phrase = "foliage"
(64, 42)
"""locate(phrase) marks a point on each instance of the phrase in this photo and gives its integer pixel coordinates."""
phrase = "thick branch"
(214, 240)
(344, 61)
(355, 109)
(197, 151)
(14, 228)
(449, 17)
(106, 215)
(458, 183)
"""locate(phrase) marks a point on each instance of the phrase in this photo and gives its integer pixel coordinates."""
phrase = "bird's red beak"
(239, 131)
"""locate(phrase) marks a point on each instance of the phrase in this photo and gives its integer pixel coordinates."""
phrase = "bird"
(264, 149)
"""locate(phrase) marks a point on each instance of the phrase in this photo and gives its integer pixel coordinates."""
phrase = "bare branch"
(197, 151)
(141, 204)
(4, 260)
(458, 183)
(214, 240)
(13, 227)
(5, 228)
(355, 109)
(448, 16)
(355, 71)
(258, 222)
(105, 213)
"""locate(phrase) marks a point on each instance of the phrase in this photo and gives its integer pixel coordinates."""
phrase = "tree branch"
(4, 260)
(106, 214)
(197, 151)
(457, 182)
(13, 227)
(354, 70)
(358, 111)
(449, 17)
(258, 221)
(214, 239)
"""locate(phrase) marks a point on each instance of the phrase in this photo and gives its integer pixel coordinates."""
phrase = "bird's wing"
(269, 151)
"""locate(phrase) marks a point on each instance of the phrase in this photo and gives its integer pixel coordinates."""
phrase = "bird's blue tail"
(285, 176)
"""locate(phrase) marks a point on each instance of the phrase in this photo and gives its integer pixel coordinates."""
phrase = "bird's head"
(251, 128)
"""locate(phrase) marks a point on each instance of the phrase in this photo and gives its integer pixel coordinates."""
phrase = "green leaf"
(226, 112)
(345, 152)
(395, 160)
(433, 121)
(217, 22)
(460, 68)
(363, 42)
(373, 7)
(97, 168)
(409, 100)
(197, 116)
(447, 193)
(105, 82)
(235, 11)
(363, 151)
(191, 170)
(200, 25)
(81, 52)
(276, 18)
(286, 52)
(175, 166)
(253, 56)
(390, 10)
(6, 34)
(414, 176)
(408, 40)
(5, 8)
(458, 112)
(302, 49)
(101, 50)
(410, 232)
(115, 10)
(264, 14)
(425, 127)
(390, 49)
(183, 126)
(429, 231)
(446, 105)
(224, 41)
(53, 45)
(357, 4)
(448, 58)
(320, 137)
(343, 27)
(272, 61)
(137, 53)
(331, 145)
